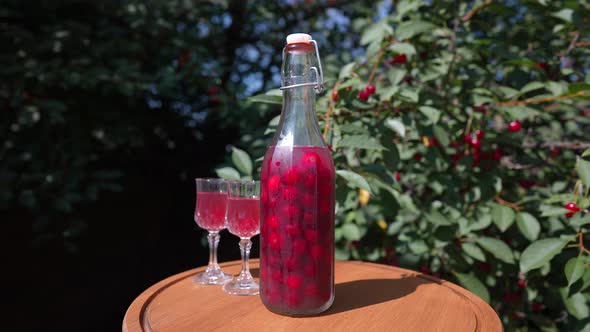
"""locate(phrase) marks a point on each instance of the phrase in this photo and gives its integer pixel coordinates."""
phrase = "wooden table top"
(369, 297)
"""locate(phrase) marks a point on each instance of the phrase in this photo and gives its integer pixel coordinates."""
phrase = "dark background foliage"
(109, 109)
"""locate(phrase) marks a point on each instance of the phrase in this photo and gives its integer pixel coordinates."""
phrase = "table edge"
(134, 313)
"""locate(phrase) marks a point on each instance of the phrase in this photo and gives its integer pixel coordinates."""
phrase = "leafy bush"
(461, 139)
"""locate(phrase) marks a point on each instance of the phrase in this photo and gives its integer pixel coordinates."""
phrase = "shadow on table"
(362, 293)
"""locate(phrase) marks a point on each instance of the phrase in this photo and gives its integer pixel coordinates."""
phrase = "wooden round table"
(369, 297)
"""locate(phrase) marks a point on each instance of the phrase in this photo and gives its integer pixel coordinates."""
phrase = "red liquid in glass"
(210, 210)
(297, 229)
(243, 216)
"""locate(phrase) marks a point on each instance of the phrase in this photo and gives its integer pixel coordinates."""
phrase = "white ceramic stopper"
(298, 38)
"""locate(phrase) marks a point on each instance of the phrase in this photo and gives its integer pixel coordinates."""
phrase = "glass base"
(212, 278)
(241, 288)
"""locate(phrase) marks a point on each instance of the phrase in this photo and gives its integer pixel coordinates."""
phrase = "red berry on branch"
(572, 207)
(212, 91)
(555, 152)
(364, 95)
(455, 158)
(481, 108)
(542, 65)
(498, 153)
(335, 95)
(417, 156)
(399, 59)
(425, 269)
(370, 89)
(569, 214)
(475, 142)
(467, 139)
(514, 126)
(398, 176)
(479, 133)
(484, 267)
(538, 307)
(526, 184)
(522, 283)
(214, 101)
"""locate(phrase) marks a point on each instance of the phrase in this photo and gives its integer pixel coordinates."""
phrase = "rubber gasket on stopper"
(298, 38)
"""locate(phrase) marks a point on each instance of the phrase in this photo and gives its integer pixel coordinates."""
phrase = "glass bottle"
(297, 195)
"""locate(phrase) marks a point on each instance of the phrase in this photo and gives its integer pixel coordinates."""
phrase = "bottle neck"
(298, 125)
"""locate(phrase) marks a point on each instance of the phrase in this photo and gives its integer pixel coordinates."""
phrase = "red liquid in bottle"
(243, 216)
(297, 231)
(210, 210)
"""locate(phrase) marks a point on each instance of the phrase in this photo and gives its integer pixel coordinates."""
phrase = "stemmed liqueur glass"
(210, 214)
(243, 220)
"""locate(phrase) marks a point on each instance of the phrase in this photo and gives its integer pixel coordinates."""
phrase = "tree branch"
(474, 10)
(542, 100)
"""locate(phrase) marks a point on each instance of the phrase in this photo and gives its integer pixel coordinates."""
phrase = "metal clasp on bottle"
(319, 73)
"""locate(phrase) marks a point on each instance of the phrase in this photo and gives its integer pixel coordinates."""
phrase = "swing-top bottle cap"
(298, 38)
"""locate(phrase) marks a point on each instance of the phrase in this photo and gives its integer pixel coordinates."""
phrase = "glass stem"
(245, 276)
(213, 238)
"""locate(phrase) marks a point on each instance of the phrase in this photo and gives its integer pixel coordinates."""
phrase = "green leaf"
(396, 75)
(409, 29)
(555, 211)
(409, 95)
(578, 220)
(503, 216)
(342, 254)
(497, 248)
(405, 48)
(472, 283)
(441, 135)
(360, 142)
(483, 222)
(353, 128)
(474, 251)
(351, 232)
(376, 32)
(397, 126)
(346, 71)
(228, 173)
(564, 14)
(576, 304)
(418, 247)
(266, 99)
(574, 270)
(577, 87)
(437, 218)
(431, 113)
(532, 86)
(586, 153)
(241, 160)
(528, 225)
(405, 6)
(583, 168)
(540, 252)
(354, 179)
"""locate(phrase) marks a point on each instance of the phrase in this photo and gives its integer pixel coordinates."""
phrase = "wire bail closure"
(319, 74)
